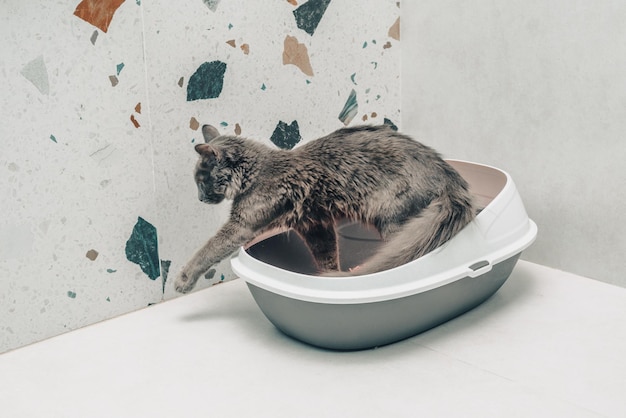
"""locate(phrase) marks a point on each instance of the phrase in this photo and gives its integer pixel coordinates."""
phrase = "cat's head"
(216, 172)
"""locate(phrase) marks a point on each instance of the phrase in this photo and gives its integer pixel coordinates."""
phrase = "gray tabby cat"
(370, 174)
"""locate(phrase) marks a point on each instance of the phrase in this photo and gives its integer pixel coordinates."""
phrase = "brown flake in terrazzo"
(98, 12)
(373, 115)
(113, 80)
(394, 30)
(297, 54)
(92, 254)
(237, 129)
(194, 124)
(387, 45)
(134, 121)
(181, 81)
(138, 108)
(244, 47)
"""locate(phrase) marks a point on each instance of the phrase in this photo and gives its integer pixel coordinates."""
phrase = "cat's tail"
(442, 219)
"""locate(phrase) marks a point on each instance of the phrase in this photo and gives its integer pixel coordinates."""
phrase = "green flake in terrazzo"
(53, 138)
(263, 86)
(222, 277)
(35, 72)
(230, 26)
(108, 299)
(210, 274)
(286, 136)
(352, 78)
(391, 124)
(375, 64)
(111, 271)
(224, 124)
(308, 15)
(165, 269)
(349, 109)
(211, 4)
(207, 81)
(365, 44)
(71, 294)
(119, 67)
(142, 248)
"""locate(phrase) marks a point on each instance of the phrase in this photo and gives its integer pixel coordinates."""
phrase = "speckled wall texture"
(102, 102)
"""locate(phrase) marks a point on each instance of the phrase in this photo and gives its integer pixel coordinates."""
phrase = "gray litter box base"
(368, 325)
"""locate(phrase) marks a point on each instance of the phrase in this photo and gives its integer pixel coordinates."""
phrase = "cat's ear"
(207, 150)
(209, 133)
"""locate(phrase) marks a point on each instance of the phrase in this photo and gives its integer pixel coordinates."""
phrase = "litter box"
(359, 312)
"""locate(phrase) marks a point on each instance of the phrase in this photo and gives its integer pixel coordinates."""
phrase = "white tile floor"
(547, 344)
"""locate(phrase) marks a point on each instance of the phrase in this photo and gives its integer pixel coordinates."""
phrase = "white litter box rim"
(448, 263)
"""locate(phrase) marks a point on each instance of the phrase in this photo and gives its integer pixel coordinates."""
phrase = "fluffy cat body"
(374, 175)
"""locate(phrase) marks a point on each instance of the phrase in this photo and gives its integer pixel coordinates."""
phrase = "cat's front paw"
(184, 283)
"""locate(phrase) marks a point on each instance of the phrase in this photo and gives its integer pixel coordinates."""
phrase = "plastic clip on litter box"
(359, 312)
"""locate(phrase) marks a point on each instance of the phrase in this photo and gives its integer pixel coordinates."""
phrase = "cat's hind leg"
(322, 241)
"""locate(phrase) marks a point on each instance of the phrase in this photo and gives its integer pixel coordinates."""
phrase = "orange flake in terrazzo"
(97, 12)
(134, 121)
(138, 108)
(245, 48)
(292, 2)
(296, 53)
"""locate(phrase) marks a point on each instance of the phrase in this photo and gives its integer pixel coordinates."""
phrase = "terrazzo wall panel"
(102, 103)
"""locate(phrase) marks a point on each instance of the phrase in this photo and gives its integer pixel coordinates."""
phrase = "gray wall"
(537, 88)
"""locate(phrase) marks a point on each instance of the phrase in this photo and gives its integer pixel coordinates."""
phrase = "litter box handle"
(479, 268)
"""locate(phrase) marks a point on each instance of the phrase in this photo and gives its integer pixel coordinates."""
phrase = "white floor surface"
(547, 344)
